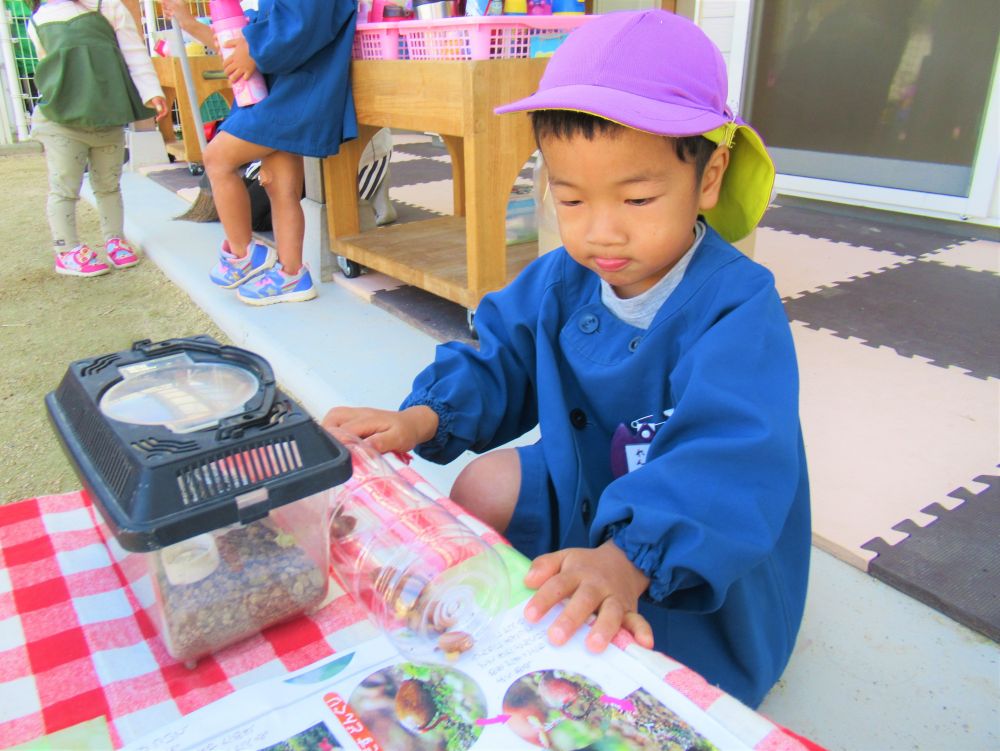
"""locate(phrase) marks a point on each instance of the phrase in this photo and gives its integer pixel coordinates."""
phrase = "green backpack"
(83, 80)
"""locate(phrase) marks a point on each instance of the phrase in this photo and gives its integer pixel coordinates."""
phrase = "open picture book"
(513, 691)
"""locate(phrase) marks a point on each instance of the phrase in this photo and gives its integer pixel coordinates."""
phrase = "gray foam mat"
(944, 313)
(952, 564)
(442, 319)
(176, 178)
(864, 231)
(427, 149)
(415, 171)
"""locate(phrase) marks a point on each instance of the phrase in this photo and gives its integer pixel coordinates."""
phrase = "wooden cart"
(206, 71)
(460, 257)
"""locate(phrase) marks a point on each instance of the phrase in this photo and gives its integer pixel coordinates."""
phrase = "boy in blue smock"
(668, 493)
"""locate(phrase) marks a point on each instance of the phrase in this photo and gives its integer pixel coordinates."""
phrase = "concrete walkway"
(873, 669)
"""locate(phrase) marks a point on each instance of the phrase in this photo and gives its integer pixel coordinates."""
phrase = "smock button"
(585, 510)
(589, 323)
(634, 344)
(577, 418)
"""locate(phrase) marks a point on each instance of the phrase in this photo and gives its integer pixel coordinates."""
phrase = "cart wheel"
(470, 320)
(196, 169)
(351, 269)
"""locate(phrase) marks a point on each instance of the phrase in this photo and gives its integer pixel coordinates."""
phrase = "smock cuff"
(647, 558)
(445, 418)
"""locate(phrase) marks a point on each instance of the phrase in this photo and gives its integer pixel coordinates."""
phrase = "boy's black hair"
(569, 123)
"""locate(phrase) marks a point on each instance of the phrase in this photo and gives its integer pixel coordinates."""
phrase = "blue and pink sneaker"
(81, 261)
(231, 271)
(274, 286)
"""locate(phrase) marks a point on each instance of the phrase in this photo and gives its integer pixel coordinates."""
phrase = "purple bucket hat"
(658, 72)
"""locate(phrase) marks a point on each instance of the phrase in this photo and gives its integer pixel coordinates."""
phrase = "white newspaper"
(512, 691)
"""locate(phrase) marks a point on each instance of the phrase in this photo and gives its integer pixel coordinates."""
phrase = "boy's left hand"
(601, 581)
(239, 65)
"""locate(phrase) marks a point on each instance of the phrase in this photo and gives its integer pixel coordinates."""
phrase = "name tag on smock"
(630, 443)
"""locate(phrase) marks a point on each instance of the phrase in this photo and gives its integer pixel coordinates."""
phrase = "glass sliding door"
(889, 93)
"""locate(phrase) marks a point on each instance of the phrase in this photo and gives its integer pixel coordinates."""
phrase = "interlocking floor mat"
(952, 564)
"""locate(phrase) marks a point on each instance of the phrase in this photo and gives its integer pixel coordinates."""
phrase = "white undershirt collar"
(639, 311)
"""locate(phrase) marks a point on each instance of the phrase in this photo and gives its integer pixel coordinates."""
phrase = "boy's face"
(626, 203)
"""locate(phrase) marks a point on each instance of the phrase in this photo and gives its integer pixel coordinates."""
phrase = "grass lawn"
(48, 320)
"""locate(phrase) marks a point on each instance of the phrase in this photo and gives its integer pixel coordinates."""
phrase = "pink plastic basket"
(479, 38)
(378, 41)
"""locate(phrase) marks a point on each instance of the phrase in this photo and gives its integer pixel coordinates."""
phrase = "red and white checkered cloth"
(75, 644)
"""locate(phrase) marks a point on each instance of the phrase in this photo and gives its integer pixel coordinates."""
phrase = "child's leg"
(106, 156)
(488, 488)
(223, 157)
(66, 159)
(283, 176)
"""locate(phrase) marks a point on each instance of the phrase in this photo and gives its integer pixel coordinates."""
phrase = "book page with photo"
(513, 691)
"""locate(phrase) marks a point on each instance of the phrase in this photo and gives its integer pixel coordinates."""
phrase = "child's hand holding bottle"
(239, 65)
(159, 104)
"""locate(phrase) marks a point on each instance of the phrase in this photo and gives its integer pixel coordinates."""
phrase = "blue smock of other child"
(303, 48)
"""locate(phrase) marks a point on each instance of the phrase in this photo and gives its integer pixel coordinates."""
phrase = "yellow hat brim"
(746, 188)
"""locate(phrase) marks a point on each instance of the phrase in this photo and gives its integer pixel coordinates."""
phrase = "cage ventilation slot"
(238, 470)
(114, 465)
(99, 364)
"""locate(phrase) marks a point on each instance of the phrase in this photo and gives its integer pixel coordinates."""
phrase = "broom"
(199, 207)
(203, 207)
(373, 184)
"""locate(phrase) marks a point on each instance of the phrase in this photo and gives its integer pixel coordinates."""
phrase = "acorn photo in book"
(421, 707)
(566, 711)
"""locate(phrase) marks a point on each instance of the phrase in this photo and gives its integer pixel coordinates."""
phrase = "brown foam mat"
(886, 436)
(899, 397)
(175, 177)
(952, 564)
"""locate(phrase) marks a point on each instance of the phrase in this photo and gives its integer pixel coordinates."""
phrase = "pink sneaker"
(81, 261)
(120, 253)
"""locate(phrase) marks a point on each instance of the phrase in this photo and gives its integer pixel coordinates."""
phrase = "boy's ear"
(711, 178)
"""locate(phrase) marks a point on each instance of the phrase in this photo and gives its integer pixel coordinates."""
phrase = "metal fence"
(18, 60)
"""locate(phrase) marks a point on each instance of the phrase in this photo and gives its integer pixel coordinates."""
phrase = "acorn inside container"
(212, 486)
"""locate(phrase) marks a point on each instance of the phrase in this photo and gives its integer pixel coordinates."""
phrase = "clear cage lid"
(179, 393)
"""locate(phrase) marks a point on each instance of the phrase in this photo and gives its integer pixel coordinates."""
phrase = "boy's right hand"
(386, 430)
(599, 581)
